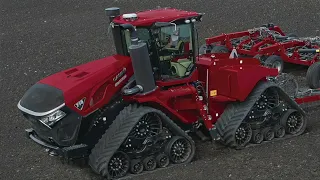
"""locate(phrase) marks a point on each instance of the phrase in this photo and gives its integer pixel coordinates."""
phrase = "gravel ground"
(38, 38)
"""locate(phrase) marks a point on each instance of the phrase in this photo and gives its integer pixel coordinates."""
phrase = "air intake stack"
(112, 13)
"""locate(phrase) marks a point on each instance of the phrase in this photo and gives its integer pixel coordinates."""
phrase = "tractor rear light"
(52, 118)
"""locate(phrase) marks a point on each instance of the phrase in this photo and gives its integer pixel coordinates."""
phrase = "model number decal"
(123, 78)
(120, 74)
(79, 105)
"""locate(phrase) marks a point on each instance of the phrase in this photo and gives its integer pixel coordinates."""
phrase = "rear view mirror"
(127, 26)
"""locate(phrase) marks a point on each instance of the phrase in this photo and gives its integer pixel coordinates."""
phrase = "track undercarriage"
(140, 139)
(267, 114)
(143, 139)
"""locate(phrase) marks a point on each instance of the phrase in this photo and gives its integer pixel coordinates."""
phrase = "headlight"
(52, 118)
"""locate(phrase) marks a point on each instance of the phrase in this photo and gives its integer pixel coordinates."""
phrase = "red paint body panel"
(171, 100)
(147, 18)
(233, 78)
(230, 77)
(84, 80)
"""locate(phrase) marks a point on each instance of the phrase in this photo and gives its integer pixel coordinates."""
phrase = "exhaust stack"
(141, 63)
(142, 66)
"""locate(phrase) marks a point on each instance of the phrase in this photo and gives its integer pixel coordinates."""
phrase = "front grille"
(43, 132)
(63, 133)
(35, 122)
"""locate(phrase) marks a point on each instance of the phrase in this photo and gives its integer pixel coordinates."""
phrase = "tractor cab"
(174, 44)
(169, 34)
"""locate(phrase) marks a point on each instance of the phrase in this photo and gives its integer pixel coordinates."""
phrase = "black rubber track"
(236, 112)
(118, 132)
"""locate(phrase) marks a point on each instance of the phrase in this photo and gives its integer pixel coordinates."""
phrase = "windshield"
(175, 37)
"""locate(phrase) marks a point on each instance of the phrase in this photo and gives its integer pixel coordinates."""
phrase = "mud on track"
(38, 38)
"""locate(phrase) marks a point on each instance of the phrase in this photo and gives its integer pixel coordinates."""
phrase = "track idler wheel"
(243, 135)
(149, 163)
(119, 165)
(293, 122)
(136, 166)
(179, 149)
(257, 137)
(279, 131)
(162, 160)
(268, 134)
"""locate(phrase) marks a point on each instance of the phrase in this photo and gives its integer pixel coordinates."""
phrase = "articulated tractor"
(137, 110)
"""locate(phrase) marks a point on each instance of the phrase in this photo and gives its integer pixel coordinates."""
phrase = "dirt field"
(38, 38)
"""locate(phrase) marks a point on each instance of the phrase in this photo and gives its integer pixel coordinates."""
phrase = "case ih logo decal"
(79, 104)
(120, 74)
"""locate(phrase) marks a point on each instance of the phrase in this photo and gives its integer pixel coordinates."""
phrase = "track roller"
(279, 131)
(162, 160)
(268, 134)
(149, 163)
(257, 137)
(136, 166)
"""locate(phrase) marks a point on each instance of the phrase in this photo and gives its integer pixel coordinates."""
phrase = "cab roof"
(147, 18)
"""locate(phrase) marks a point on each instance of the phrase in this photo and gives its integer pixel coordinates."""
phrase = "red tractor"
(133, 111)
(273, 47)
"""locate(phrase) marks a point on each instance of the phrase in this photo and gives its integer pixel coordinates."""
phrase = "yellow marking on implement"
(213, 92)
(318, 50)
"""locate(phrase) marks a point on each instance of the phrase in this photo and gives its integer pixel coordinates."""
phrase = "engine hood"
(89, 73)
(69, 86)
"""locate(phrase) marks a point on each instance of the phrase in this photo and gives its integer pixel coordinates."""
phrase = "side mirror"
(128, 26)
(133, 33)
